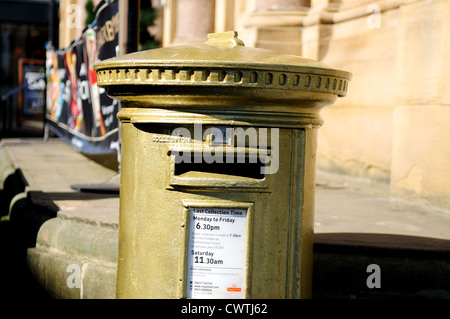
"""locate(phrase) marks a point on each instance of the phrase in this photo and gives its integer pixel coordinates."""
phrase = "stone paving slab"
(346, 204)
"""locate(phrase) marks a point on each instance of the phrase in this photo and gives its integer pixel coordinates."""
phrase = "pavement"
(357, 223)
(349, 204)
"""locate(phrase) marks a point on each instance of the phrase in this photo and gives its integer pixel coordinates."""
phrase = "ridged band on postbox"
(234, 80)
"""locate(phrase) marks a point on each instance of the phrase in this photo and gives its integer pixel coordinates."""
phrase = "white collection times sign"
(216, 253)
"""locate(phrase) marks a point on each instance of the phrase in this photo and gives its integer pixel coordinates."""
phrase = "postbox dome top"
(223, 60)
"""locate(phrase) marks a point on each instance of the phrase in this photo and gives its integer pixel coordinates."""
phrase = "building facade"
(393, 125)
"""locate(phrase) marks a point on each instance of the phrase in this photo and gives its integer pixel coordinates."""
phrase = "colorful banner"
(77, 110)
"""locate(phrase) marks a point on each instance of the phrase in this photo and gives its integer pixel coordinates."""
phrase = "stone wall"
(421, 130)
(393, 124)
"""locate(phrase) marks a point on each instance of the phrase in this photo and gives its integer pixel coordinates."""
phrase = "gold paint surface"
(224, 84)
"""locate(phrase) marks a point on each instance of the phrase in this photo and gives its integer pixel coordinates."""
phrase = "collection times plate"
(216, 253)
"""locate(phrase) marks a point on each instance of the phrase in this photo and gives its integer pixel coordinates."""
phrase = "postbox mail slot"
(234, 172)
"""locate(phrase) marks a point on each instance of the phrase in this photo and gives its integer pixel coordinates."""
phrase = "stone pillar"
(225, 16)
(421, 133)
(195, 19)
(286, 25)
(280, 5)
(278, 13)
(169, 22)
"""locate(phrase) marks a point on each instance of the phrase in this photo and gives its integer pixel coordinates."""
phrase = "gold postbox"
(218, 169)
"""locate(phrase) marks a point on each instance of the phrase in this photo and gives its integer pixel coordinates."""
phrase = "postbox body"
(217, 170)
